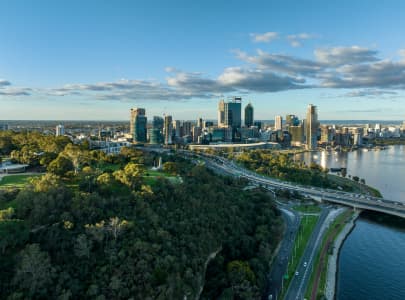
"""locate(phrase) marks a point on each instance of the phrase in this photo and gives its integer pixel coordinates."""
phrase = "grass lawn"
(16, 181)
(304, 232)
(333, 231)
(357, 187)
(307, 208)
(151, 177)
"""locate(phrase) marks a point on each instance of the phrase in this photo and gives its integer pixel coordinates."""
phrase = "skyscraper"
(278, 123)
(233, 113)
(60, 130)
(229, 113)
(311, 127)
(221, 113)
(186, 128)
(168, 130)
(291, 120)
(176, 128)
(138, 125)
(156, 132)
(297, 134)
(249, 115)
(200, 122)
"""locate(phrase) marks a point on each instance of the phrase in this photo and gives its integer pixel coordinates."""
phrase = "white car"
(305, 264)
(296, 273)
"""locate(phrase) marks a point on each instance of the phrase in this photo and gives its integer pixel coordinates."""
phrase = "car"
(305, 264)
(297, 273)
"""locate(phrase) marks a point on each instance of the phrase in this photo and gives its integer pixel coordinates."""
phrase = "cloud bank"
(357, 68)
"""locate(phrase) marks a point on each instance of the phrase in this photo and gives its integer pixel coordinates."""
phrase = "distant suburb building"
(138, 124)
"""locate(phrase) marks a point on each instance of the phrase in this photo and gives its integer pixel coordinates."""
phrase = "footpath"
(331, 272)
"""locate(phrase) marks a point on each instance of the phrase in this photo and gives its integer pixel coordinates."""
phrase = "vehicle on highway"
(305, 264)
(297, 273)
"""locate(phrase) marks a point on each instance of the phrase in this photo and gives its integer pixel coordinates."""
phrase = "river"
(372, 259)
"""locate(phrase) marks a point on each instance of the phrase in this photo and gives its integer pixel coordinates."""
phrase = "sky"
(94, 60)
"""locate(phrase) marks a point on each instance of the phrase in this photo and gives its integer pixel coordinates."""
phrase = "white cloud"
(296, 39)
(338, 56)
(266, 37)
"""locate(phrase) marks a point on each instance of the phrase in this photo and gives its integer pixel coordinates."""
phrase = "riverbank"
(331, 272)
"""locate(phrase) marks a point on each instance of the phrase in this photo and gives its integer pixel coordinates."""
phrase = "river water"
(372, 259)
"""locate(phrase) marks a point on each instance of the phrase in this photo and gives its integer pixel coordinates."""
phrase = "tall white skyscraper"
(278, 123)
(60, 130)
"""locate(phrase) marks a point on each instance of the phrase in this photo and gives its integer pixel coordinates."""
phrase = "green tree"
(83, 246)
(60, 166)
(76, 155)
(170, 167)
(34, 272)
(131, 175)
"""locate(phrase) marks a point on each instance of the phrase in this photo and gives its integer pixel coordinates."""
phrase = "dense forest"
(105, 227)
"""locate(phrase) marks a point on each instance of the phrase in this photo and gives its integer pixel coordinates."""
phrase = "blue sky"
(97, 59)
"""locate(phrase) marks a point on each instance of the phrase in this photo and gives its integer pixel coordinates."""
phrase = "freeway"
(280, 263)
(298, 284)
(335, 196)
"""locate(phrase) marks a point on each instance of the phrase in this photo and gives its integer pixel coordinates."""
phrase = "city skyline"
(93, 61)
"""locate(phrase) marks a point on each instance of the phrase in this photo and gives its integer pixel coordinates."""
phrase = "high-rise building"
(186, 128)
(327, 134)
(200, 122)
(249, 115)
(311, 127)
(291, 120)
(297, 134)
(138, 124)
(60, 130)
(156, 131)
(168, 130)
(196, 133)
(278, 123)
(221, 113)
(176, 128)
(229, 115)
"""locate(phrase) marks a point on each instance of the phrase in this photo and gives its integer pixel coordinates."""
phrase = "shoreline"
(332, 266)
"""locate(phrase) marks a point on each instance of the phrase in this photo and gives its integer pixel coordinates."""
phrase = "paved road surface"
(279, 266)
(299, 283)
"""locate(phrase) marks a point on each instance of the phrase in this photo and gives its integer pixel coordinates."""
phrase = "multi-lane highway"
(298, 285)
(345, 198)
(280, 263)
